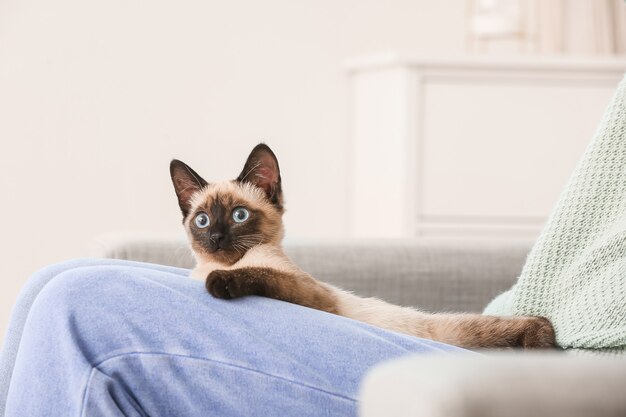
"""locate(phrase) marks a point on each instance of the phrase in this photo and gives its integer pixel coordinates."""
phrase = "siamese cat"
(235, 229)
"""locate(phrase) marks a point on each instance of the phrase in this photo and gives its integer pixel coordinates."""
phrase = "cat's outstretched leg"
(272, 283)
(466, 330)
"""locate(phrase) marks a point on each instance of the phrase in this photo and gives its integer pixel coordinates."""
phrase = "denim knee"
(86, 284)
(83, 306)
(68, 293)
(105, 309)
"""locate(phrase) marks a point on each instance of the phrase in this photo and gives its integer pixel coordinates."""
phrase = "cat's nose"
(217, 238)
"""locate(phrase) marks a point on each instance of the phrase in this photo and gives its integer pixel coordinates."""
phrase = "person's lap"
(120, 338)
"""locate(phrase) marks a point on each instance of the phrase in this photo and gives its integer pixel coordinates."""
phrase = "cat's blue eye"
(202, 220)
(240, 215)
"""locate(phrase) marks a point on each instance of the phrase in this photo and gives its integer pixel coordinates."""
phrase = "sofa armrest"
(434, 275)
(503, 385)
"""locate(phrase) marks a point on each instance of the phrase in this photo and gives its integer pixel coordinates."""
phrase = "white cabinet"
(469, 147)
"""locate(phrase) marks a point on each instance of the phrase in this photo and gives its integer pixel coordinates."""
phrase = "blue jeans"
(116, 338)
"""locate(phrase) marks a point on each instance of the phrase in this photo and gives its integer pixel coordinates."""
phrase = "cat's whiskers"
(238, 249)
(249, 241)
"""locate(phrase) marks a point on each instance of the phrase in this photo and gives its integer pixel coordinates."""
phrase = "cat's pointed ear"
(186, 183)
(261, 169)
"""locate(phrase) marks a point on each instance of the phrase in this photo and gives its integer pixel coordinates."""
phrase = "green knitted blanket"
(575, 275)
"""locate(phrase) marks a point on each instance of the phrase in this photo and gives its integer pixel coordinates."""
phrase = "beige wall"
(97, 97)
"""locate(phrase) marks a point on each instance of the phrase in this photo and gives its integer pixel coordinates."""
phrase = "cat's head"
(225, 219)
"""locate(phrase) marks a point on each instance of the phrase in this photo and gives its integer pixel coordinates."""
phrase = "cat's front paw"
(228, 284)
(539, 334)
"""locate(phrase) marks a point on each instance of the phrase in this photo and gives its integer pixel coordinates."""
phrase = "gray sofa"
(436, 275)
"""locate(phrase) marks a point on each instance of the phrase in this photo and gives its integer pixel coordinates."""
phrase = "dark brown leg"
(271, 283)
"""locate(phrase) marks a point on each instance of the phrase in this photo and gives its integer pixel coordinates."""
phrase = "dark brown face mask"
(225, 225)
